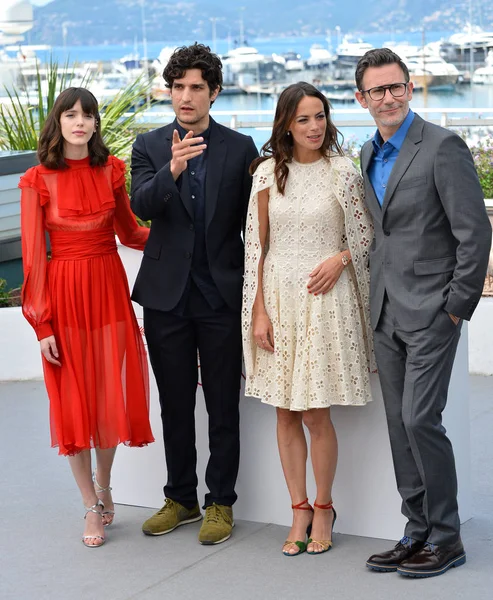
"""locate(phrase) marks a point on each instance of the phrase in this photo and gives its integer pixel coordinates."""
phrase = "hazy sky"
(40, 2)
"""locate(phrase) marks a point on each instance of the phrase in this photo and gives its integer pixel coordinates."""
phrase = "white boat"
(343, 96)
(349, 52)
(162, 60)
(457, 49)
(292, 61)
(426, 67)
(484, 75)
(245, 61)
(159, 91)
(475, 38)
(242, 58)
(265, 89)
(16, 18)
(320, 56)
(106, 86)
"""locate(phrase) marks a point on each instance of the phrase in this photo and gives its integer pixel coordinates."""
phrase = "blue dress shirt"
(385, 155)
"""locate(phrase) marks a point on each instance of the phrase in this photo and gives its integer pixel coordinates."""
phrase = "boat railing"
(343, 117)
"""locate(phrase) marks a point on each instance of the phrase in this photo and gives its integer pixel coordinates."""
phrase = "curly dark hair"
(280, 144)
(50, 144)
(196, 56)
(378, 57)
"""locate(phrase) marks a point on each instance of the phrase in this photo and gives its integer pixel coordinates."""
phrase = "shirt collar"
(205, 134)
(399, 136)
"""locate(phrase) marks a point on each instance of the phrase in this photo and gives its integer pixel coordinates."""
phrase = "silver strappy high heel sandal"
(108, 515)
(94, 508)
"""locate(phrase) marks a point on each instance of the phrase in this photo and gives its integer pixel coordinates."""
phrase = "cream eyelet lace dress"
(323, 344)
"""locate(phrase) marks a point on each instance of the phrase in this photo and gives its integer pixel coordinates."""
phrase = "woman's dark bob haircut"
(51, 141)
(280, 144)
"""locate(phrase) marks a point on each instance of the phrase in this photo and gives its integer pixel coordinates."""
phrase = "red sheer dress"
(99, 397)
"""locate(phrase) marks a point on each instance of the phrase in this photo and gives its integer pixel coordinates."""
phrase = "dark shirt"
(196, 172)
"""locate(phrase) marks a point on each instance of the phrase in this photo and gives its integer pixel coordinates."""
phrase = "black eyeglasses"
(378, 93)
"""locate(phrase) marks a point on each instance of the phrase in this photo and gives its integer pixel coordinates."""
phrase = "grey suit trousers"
(415, 369)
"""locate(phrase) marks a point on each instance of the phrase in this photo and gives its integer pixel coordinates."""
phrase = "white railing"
(343, 117)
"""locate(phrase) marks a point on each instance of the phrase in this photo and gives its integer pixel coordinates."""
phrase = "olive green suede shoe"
(217, 526)
(171, 516)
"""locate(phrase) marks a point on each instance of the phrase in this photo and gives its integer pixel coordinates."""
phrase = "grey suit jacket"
(432, 234)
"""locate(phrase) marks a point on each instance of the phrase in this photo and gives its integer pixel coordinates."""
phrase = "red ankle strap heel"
(301, 506)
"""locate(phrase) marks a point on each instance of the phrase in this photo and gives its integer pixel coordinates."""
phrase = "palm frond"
(22, 119)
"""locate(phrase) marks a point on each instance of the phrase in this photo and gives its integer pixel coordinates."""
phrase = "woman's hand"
(324, 277)
(263, 333)
(49, 350)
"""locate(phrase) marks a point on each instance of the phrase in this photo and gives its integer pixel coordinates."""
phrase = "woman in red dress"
(78, 302)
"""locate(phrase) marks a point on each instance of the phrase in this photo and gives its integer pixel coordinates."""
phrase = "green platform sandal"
(326, 545)
(302, 545)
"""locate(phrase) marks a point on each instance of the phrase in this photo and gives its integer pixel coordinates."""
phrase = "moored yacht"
(246, 63)
(457, 49)
(320, 57)
(349, 52)
(485, 74)
(426, 67)
(292, 61)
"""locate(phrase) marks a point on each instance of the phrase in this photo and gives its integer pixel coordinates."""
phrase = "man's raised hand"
(183, 150)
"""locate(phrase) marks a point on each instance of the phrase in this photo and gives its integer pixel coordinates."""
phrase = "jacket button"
(191, 227)
(188, 255)
(386, 232)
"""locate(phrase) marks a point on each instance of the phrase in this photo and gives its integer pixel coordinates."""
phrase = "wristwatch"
(345, 260)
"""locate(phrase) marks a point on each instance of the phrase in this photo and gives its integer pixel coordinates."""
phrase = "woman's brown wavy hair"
(280, 145)
(50, 144)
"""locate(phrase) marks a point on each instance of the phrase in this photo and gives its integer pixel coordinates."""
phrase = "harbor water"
(458, 97)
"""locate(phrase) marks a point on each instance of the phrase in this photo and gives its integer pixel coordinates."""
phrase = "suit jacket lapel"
(216, 155)
(366, 155)
(182, 182)
(370, 196)
(408, 151)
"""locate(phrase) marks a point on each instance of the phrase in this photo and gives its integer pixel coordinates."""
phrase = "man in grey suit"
(428, 263)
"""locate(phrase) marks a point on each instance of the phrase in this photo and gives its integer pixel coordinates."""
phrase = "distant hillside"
(115, 21)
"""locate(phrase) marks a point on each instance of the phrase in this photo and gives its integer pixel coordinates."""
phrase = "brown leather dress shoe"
(433, 560)
(389, 561)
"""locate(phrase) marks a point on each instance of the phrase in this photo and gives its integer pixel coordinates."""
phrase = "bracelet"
(345, 260)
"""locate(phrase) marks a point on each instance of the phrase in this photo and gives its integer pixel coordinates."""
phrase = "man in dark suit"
(427, 267)
(191, 179)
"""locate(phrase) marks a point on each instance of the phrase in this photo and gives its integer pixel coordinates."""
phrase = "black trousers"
(173, 341)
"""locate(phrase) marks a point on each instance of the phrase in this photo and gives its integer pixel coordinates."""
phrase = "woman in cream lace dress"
(306, 333)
